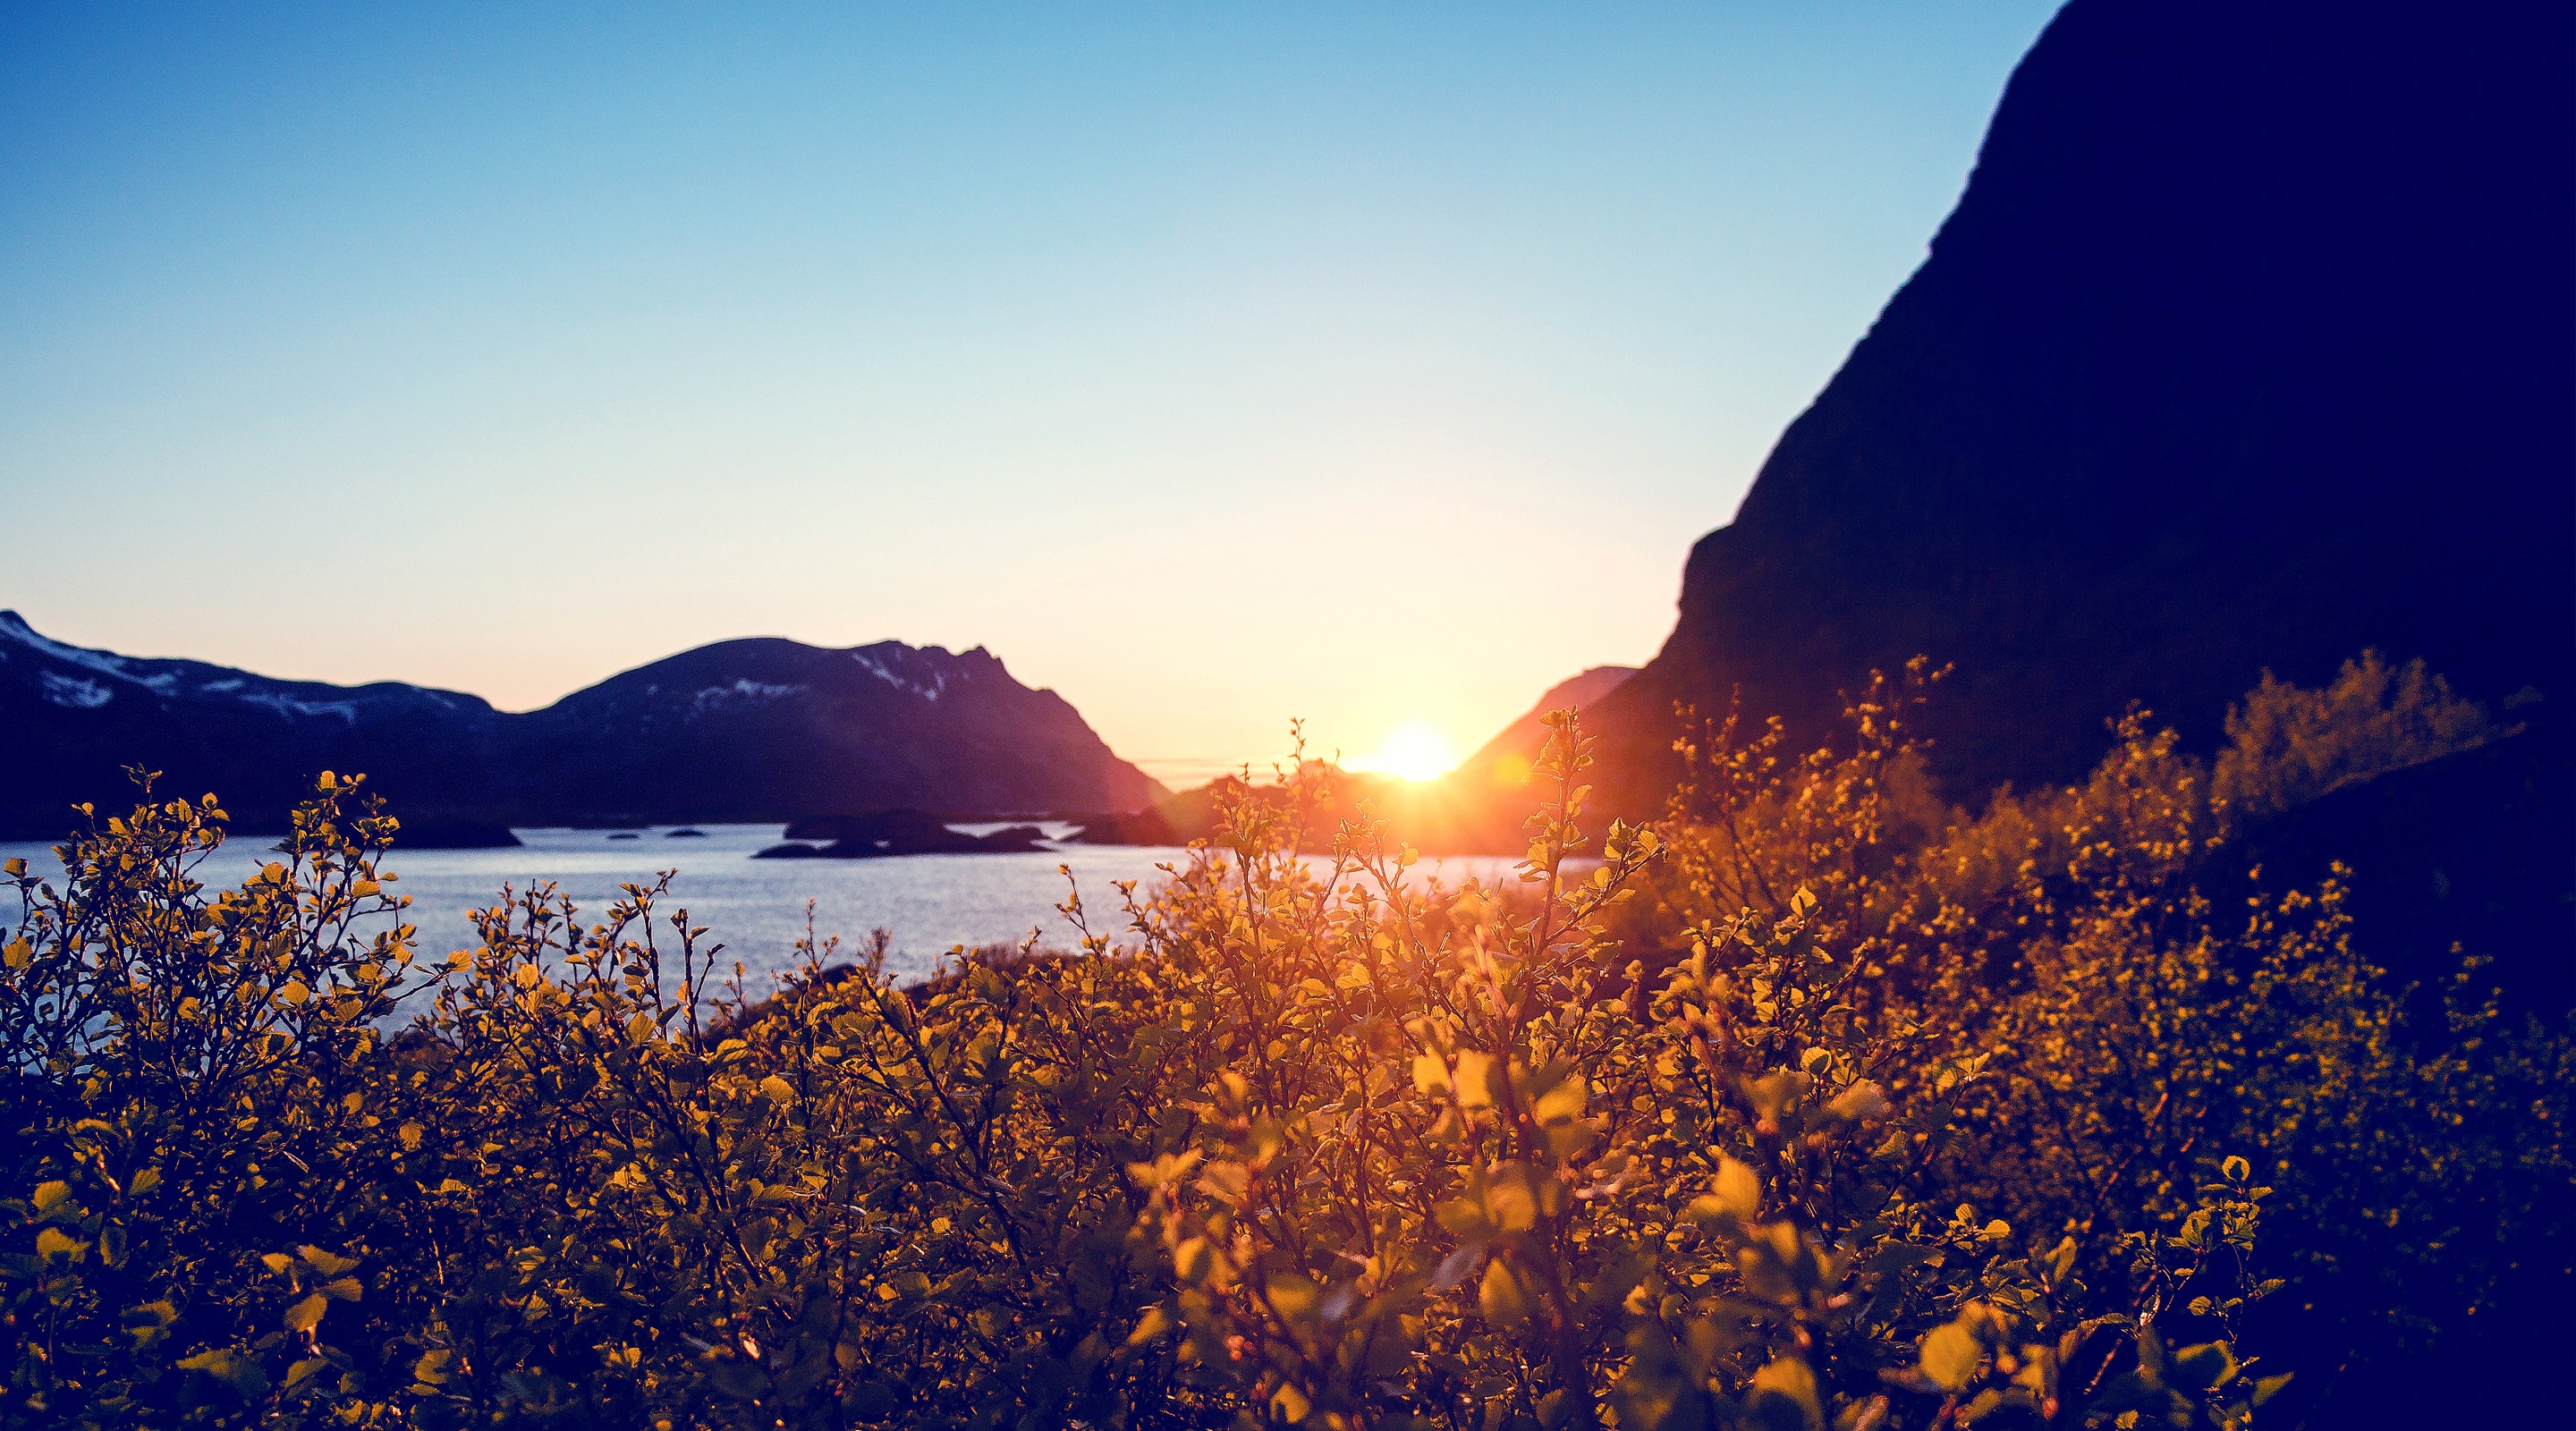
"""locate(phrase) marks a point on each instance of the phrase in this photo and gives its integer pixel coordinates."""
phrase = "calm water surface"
(929, 903)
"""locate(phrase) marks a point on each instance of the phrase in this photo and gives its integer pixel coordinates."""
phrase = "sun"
(1409, 752)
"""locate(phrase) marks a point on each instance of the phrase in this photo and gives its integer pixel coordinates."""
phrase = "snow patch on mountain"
(13, 627)
(291, 706)
(74, 693)
(740, 691)
(883, 672)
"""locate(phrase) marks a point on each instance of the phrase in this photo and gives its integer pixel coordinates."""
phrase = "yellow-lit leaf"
(1863, 1100)
(304, 1314)
(1739, 1190)
(1950, 1355)
(1791, 1378)
(1475, 1080)
(1430, 1075)
(329, 1264)
(1509, 1204)
(1292, 1297)
(1502, 1297)
(1153, 1324)
(1562, 1103)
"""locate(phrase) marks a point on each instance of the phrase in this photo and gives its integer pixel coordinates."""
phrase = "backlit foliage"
(2144, 999)
(1847, 1130)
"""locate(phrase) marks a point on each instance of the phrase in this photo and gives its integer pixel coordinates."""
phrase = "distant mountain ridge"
(759, 729)
(1504, 761)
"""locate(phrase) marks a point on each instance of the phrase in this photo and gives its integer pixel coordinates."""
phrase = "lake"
(929, 903)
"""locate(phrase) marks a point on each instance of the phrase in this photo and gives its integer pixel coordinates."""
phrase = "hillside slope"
(2251, 343)
(1504, 759)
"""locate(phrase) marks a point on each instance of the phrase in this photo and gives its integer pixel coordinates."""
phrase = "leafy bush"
(2143, 996)
(2287, 746)
(1850, 1130)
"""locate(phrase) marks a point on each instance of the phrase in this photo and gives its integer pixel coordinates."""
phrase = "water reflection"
(756, 908)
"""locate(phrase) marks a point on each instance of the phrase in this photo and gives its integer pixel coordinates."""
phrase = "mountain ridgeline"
(755, 730)
(2250, 344)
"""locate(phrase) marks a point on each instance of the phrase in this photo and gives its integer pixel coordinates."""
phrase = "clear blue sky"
(1211, 364)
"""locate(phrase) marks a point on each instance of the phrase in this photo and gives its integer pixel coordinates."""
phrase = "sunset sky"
(1211, 364)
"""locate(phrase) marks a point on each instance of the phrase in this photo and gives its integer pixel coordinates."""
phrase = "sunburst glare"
(1409, 752)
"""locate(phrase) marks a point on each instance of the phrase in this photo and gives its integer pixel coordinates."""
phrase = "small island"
(444, 832)
(886, 833)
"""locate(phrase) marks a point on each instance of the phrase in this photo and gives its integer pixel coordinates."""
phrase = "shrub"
(2144, 996)
(1876, 1117)
(2287, 746)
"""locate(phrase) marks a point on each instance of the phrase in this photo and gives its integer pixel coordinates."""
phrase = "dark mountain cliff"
(740, 730)
(746, 730)
(2251, 343)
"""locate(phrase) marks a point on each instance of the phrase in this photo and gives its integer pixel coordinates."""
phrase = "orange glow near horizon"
(1410, 752)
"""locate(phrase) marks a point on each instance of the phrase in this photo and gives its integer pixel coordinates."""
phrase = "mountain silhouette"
(1503, 763)
(740, 730)
(2250, 344)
